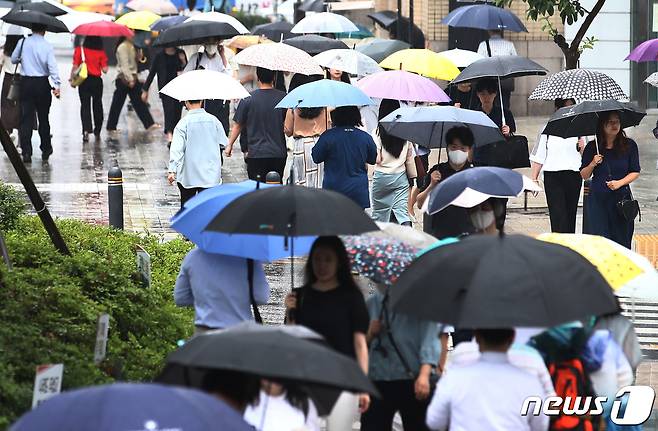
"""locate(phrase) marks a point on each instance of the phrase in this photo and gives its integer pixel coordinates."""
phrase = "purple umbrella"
(401, 85)
(646, 51)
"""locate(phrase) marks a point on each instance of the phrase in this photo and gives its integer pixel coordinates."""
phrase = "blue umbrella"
(324, 92)
(200, 210)
(485, 17)
(165, 23)
(131, 406)
(471, 187)
(428, 125)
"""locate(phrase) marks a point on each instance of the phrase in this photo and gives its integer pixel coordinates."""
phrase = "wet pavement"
(74, 182)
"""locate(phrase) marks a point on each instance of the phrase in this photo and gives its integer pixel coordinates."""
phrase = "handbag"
(511, 153)
(14, 92)
(628, 206)
(80, 73)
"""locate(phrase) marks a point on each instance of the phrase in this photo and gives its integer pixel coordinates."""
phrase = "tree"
(570, 11)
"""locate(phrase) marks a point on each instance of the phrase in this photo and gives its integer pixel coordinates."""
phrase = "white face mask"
(482, 219)
(211, 49)
(458, 157)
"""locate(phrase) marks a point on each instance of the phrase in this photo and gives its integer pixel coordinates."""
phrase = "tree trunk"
(572, 56)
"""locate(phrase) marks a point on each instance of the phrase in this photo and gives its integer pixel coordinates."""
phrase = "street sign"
(102, 329)
(47, 382)
(144, 265)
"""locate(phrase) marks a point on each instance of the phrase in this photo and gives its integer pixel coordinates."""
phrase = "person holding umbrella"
(487, 91)
(338, 75)
(613, 162)
(497, 45)
(91, 53)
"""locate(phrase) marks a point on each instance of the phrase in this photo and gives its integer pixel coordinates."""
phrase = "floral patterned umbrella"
(380, 259)
(279, 56)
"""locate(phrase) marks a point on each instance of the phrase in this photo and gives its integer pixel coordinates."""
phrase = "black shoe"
(27, 158)
(46, 155)
(85, 136)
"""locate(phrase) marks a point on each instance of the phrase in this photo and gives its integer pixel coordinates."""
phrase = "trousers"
(605, 219)
(35, 96)
(562, 193)
(172, 109)
(187, 194)
(397, 395)
(119, 98)
(91, 97)
(257, 169)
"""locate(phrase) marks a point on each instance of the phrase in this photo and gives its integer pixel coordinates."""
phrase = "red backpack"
(570, 380)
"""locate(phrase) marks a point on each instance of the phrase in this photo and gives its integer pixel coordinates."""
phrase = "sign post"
(47, 382)
(101, 338)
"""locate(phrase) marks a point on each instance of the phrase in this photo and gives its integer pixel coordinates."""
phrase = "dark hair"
(298, 80)
(561, 103)
(194, 102)
(38, 28)
(93, 42)
(495, 337)
(462, 133)
(346, 116)
(10, 44)
(266, 76)
(344, 269)
(392, 144)
(620, 144)
(344, 77)
(489, 85)
(239, 387)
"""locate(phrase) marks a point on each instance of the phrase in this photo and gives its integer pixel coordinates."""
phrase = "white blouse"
(556, 154)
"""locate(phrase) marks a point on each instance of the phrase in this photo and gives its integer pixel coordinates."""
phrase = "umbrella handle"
(500, 94)
(596, 144)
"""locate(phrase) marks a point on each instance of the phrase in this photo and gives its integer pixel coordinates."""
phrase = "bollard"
(115, 197)
(273, 177)
(586, 185)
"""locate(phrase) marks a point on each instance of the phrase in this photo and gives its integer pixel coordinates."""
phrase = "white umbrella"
(652, 79)
(14, 30)
(348, 60)
(325, 22)
(461, 57)
(204, 84)
(161, 7)
(279, 56)
(219, 17)
(74, 19)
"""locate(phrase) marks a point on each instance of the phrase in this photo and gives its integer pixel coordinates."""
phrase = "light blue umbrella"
(324, 92)
(201, 209)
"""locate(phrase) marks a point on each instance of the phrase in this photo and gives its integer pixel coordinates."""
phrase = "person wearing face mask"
(213, 58)
(484, 216)
(452, 221)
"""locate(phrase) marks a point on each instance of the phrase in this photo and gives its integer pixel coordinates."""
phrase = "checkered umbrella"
(579, 84)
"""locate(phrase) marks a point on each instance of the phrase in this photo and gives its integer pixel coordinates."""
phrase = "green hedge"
(50, 304)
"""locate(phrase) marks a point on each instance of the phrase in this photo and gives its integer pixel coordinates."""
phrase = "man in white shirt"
(488, 394)
(496, 46)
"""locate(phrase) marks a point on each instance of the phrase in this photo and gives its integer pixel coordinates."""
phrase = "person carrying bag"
(14, 93)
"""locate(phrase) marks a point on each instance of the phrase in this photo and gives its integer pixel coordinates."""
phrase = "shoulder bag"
(14, 92)
(628, 206)
(80, 73)
(511, 153)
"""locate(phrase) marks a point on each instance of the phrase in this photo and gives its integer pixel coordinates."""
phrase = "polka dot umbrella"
(380, 259)
(628, 273)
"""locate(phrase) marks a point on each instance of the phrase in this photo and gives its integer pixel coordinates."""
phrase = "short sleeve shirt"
(335, 314)
(263, 124)
(616, 165)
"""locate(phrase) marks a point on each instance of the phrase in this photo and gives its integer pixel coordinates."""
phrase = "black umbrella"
(502, 282)
(276, 31)
(389, 20)
(313, 44)
(315, 5)
(42, 6)
(268, 353)
(28, 18)
(379, 49)
(582, 119)
(195, 32)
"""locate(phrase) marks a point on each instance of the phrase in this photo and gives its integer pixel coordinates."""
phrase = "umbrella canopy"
(628, 273)
(348, 60)
(142, 406)
(103, 29)
(140, 20)
(389, 20)
(279, 56)
(220, 18)
(582, 119)
(363, 33)
(293, 211)
(504, 66)
(161, 7)
(428, 125)
(14, 30)
(313, 44)
(485, 17)
(379, 49)
(324, 22)
(27, 18)
(461, 57)
(402, 85)
(201, 209)
(646, 51)
(579, 84)
(39, 6)
(406, 234)
(76, 18)
(245, 41)
(315, 5)
(471, 187)
(511, 281)
(423, 62)
(652, 79)
(324, 92)
(168, 21)
(382, 260)
(275, 31)
(289, 358)
(201, 27)
(204, 84)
